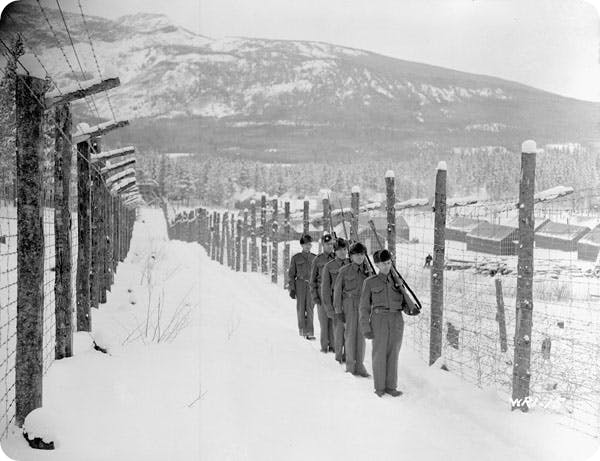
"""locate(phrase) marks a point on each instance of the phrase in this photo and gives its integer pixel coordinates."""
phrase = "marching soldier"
(346, 296)
(315, 290)
(330, 273)
(300, 289)
(381, 304)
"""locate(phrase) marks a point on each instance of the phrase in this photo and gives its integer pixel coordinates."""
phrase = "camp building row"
(484, 237)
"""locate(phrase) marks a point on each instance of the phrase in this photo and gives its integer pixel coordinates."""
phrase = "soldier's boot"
(380, 393)
(393, 392)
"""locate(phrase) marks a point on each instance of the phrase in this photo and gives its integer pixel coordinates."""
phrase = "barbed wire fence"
(475, 338)
(67, 212)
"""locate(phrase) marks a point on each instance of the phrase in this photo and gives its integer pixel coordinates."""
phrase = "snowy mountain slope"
(251, 95)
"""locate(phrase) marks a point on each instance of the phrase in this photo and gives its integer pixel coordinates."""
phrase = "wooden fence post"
(96, 230)
(63, 295)
(30, 245)
(84, 243)
(390, 194)
(110, 276)
(305, 217)
(224, 235)
(217, 243)
(232, 238)
(500, 317)
(437, 272)
(238, 246)
(245, 242)
(355, 205)
(263, 235)
(275, 240)
(524, 308)
(286, 248)
(253, 248)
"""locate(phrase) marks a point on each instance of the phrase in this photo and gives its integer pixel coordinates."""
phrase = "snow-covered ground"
(238, 383)
(140, 401)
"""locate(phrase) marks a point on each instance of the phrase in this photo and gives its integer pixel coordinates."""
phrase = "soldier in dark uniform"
(346, 297)
(330, 273)
(299, 287)
(315, 291)
(428, 259)
(381, 304)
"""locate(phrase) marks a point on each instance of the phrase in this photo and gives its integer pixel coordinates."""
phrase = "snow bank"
(40, 423)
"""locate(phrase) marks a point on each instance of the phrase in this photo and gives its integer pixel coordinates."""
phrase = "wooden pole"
(110, 278)
(275, 240)
(286, 248)
(524, 307)
(84, 243)
(500, 317)
(223, 238)
(355, 205)
(63, 296)
(390, 194)
(437, 272)
(232, 238)
(245, 242)
(238, 246)
(253, 247)
(30, 245)
(96, 231)
(305, 217)
(263, 235)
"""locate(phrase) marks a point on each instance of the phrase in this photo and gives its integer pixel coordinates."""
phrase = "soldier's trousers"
(388, 328)
(338, 339)
(354, 341)
(304, 309)
(326, 324)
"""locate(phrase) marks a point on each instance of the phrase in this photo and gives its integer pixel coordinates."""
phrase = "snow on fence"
(66, 219)
(479, 298)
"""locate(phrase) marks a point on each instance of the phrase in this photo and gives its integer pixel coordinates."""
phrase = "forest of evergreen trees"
(489, 171)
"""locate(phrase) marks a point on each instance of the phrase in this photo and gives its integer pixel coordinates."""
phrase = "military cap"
(357, 248)
(326, 238)
(381, 256)
(339, 243)
(305, 239)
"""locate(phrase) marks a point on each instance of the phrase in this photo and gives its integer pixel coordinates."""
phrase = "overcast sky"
(550, 44)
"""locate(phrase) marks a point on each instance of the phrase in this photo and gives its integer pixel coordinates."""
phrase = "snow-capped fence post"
(437, 271)
(238, 246)
(390, 195)
(286, 248)
(355, 204)
(29, 361)
(263, 235)
(253, 249)
(62, 232)
(524, 304)
(500, 317)
(305, 217)
(275, 240)
(84, 243)
(245, 242)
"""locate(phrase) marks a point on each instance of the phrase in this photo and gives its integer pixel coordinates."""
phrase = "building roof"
(593, 237)
(561, 231)
(488, 231)
(464, 224)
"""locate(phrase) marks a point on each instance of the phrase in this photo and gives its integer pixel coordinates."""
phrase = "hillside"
(292, 100)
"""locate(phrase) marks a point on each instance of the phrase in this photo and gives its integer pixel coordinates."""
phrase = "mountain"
(289, 100)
